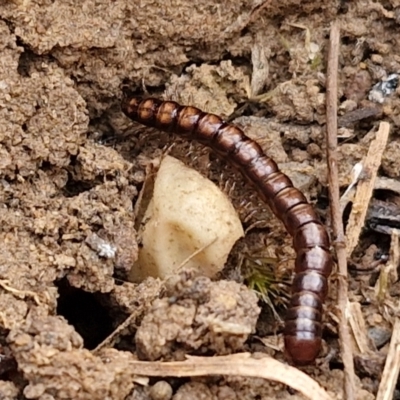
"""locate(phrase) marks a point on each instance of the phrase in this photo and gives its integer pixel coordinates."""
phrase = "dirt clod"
(198, 314)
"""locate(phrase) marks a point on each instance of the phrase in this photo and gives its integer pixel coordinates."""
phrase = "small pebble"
(161, 390)
(379, 336)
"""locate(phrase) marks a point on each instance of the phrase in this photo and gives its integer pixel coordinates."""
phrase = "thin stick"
(366, 186)
(391, 371)
(242, 364)
(336, 217)
(392, 366)
(108, 341)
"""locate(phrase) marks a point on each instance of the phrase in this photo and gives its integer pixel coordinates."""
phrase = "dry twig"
(109, 340)
(366, 186)
(337, 225)
(243, 364)
(362, 341)
(392, 366)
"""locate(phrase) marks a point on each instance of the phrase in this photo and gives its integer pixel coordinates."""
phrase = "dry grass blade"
(243, 364)
(337, 225)
(357, 322)
(366, 186)
(5, 284)
(108, 341)
(392, 366)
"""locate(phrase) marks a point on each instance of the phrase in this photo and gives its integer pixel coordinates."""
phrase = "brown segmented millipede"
(313, 265)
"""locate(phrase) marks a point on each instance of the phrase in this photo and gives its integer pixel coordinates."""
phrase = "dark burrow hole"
(74, 188)
(85, 312)
(8, 364)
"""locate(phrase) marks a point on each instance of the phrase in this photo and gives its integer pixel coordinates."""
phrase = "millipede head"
(130, 105)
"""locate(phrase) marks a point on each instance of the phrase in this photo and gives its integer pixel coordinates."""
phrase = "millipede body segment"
(313, 265)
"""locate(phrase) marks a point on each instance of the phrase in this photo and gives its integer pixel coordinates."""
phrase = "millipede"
(313, 264)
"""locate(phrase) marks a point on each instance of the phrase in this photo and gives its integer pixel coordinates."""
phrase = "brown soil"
(72, 167)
